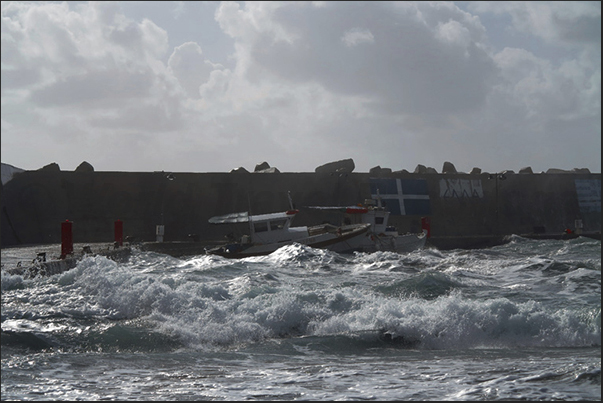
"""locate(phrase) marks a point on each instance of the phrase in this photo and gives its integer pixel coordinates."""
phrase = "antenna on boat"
(290, 200)
(249, 214)
(378, 199)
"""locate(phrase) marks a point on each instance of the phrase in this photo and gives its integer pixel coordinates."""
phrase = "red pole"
(66, 239)
(426, 224)
(119, 232)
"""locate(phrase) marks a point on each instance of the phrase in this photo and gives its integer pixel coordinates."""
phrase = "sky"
(214, 86)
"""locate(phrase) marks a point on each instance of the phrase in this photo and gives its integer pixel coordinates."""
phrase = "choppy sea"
(520, 321)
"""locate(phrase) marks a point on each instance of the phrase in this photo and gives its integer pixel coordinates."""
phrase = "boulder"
(239, 170)
(84, 167)
(475, 171)
(375, 170)
(556, 171)
(378, 171)
(420, 169)
(581, 170)
(526, 170)
(271, 170)
(54, 167)
(342, 166)
(448, 168)
(261, 167)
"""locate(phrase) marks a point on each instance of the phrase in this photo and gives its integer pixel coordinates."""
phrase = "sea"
(519, 321)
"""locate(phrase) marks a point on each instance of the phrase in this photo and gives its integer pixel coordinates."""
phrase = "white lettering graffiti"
(461, 188)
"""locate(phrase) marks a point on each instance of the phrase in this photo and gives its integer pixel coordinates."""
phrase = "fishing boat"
(268, 232)
(380, 236)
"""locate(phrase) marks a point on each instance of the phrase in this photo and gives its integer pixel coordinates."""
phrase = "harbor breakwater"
(462, 210)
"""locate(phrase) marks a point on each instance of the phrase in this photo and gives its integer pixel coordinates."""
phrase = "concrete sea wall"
(464, 210)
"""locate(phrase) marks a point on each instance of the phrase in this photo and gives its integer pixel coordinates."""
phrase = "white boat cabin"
(372, 213)
(265, 228)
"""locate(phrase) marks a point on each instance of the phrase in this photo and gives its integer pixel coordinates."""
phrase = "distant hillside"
(8, 171)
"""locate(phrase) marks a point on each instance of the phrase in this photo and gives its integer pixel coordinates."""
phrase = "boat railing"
(322, 229)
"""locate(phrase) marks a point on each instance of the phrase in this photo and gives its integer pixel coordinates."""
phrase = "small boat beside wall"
(268, 232)
(380, 236)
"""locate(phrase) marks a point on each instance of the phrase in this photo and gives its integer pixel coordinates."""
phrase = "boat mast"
(250, 216)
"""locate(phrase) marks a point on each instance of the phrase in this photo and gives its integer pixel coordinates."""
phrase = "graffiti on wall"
(459, 188)
(589, 195)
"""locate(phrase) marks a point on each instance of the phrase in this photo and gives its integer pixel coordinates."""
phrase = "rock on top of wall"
(271, 170)
(84, 167)
(262, 166)
(54, 167)
(475, 171)
(375, 170)
(563, 171)
(239, 170)
(422, 169)
(526, 170)
(342, 166)
(448, 168)
(265, 168)
(378, 171)
(581, 170)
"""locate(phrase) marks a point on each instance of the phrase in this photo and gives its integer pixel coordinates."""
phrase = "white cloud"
(453, 32)
(390, 84)
(570, 23)
(190, 67)
(565, 92)
(406, 70)
(357, 36)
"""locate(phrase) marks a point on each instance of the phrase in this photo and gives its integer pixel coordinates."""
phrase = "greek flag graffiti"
(402, 196)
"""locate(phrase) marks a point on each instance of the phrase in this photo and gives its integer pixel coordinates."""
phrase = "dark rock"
(342, 166)
(449, 168)
(271, 170)
(526, 170)
(239, 170)
(378, 171)
(84, 167)
(581, 170)
(476, 171)
(420, 169)
(375, 170)
(54, 167)
(261, 167)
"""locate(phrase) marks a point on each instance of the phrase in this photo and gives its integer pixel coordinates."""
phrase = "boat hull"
(372, 242)
(328, 240)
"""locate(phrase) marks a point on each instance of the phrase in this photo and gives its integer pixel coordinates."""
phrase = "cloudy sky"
(213, 86)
